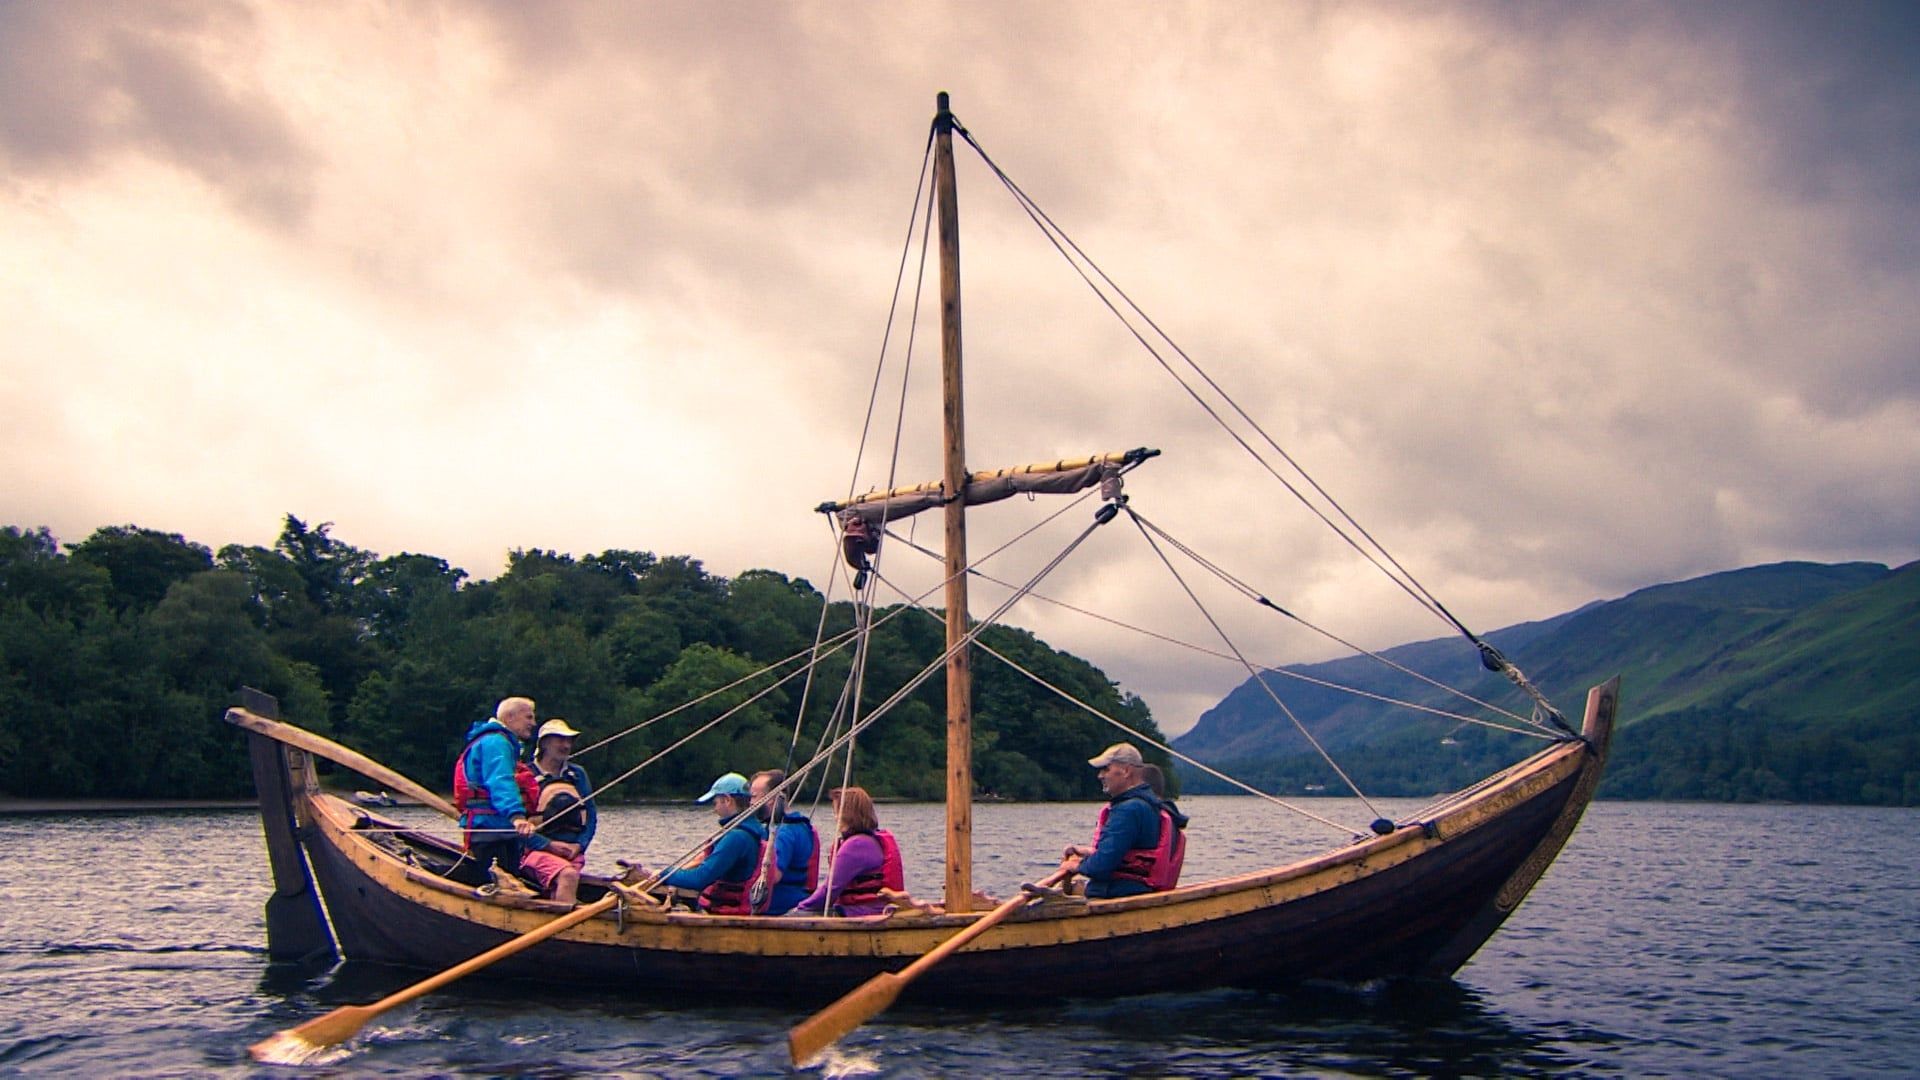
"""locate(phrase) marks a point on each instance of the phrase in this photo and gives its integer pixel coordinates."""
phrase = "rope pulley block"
(859, 542)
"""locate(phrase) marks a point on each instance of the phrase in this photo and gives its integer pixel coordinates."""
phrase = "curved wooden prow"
(302, 739)
(297, 929)
(1596, 730)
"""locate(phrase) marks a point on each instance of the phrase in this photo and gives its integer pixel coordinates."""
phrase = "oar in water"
(868, 1000)
(296, 1045)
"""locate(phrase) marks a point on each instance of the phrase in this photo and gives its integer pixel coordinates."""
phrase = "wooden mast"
(959, 886)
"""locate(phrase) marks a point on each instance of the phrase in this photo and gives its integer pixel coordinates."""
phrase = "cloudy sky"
(1559, 300)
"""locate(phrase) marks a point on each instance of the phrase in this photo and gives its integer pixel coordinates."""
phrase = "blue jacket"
(1133, 821)
(793, 846)
(489, 763)
(733, 857)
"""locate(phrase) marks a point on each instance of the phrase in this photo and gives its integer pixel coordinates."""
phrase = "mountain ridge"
(1758, 660)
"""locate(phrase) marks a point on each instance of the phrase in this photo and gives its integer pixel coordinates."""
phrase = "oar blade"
(831, 1024)
(298, 1045)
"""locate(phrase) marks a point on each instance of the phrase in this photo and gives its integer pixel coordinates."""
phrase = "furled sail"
(1062, 477)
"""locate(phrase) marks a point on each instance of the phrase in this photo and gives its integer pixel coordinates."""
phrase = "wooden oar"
(871, 998)
(296, 1045)
(306, 740)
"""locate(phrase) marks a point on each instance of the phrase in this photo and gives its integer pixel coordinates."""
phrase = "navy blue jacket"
(1133, 822)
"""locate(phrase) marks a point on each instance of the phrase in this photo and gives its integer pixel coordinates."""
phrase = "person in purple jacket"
(866, 860)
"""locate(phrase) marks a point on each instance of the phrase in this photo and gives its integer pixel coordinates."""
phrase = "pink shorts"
(544, 866)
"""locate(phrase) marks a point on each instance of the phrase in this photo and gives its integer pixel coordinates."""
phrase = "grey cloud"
(1834, 90)
(747, 138)
(82, 83)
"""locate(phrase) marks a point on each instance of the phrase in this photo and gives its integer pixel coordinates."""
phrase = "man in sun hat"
(726, 869)
(565, 814)
(1140, 840)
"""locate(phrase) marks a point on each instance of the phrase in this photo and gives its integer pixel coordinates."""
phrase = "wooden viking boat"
(1415, 899)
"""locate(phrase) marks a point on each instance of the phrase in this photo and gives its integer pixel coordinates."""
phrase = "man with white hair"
(1140, 841)
(494, 791)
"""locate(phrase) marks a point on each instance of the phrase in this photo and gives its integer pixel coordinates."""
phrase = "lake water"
(1669, 939)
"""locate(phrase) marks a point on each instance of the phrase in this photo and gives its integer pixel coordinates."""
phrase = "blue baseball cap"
(731, 784)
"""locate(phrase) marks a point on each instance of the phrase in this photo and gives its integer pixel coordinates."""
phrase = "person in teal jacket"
(725, 872)
(487, 791)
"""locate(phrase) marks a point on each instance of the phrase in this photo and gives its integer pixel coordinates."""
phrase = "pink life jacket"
(865, 888)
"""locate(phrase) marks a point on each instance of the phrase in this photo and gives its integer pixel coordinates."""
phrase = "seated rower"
(866, 860)
(727, 867)
(494, 792)
(794, 854)
(1140, 841)
(565, 815)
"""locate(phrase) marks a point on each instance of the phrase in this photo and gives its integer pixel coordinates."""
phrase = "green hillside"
(1790, 681)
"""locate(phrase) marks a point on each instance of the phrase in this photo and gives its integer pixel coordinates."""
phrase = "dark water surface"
(1668, 940)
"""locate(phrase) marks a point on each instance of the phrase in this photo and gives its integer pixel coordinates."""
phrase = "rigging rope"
(938, 664)
(893, 307)
(1277, 669)
(914, 216)
(1251, 670)
(1081, 263)
(839, 641)
(1253, 594)
(1122, 725)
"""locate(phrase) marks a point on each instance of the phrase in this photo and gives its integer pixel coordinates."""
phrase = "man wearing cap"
(565, 813)
(726, 869)
(1140, 841)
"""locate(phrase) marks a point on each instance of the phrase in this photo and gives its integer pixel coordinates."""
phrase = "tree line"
(119, 654)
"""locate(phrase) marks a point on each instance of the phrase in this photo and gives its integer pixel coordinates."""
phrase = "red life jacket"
(865, 888)
(1158, 867)
(472, 799)
(734, 897)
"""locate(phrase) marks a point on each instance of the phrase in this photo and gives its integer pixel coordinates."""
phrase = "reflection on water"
(1668, 939)
(1427, 1028)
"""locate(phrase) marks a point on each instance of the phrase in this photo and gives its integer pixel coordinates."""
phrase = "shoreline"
(10, 805)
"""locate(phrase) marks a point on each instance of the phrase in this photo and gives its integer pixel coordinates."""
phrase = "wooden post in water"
(959, 890)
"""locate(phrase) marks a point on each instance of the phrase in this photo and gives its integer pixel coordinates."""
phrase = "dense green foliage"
(118, 655)
(1794, 681)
